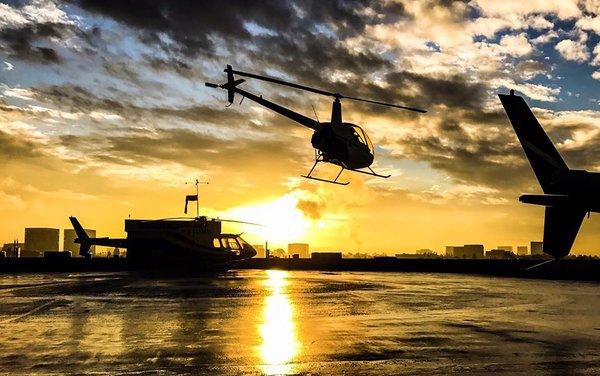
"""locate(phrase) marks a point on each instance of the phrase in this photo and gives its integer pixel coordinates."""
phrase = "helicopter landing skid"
(334, 181)
(370, 172)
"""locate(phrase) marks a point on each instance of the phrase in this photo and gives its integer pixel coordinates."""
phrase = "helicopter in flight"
(344, 144)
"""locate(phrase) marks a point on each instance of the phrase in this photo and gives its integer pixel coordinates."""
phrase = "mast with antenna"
(196, 183)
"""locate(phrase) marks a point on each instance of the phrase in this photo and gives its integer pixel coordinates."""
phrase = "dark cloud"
(300, 38)
(193, 25)
(481, 157)
(16, 147)
(193, 149)
(78, 99)
(21, 42)
(311, 208)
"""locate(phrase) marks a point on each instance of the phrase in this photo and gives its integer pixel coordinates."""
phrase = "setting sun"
(281, 219)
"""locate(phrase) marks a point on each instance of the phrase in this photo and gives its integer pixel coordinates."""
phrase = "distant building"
(300, 249)
(465, 251)
(260, 250)
(507, 248)
(450, 250)
(537, 248)
(69, 236)
(499, 254)
(38, 240)
(9, 249)
(472, 251)
(522, 250)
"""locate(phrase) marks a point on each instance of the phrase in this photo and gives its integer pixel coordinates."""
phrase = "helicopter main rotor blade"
(285, 83)
(319, 91)
(386, 104)
(243, 222)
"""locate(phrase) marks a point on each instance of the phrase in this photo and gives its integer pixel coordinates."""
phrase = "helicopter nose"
(248, 252)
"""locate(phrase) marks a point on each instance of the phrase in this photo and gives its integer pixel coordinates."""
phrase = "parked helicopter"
(344, 144)
(195, 243)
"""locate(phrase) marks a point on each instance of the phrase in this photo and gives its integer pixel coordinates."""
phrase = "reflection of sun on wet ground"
(280, 344)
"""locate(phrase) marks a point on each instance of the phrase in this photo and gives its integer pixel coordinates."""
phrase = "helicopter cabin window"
(216, 243)
(233, 244)
(362, 137)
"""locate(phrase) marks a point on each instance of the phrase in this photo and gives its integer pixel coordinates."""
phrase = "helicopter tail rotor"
(229, 85)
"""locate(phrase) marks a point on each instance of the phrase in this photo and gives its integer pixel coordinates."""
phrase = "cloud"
(516, 45)
(16, 146)
(573, 50)
(589, 23)
(531, 68)
(565, 9)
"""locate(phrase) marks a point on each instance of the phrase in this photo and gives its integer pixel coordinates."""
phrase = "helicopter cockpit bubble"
(363, 137)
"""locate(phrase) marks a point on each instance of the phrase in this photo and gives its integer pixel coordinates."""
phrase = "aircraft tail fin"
(82, 237)
(541, 152)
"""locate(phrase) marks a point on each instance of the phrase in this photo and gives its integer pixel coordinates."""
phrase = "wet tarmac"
(297, 322)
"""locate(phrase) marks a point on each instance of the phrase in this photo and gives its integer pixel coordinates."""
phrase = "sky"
(104, 115)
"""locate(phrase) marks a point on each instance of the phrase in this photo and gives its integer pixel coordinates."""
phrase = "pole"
(197, 182)
(197, 201)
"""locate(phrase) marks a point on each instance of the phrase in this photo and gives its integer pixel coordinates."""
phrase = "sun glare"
(282, 220)
(278, 330)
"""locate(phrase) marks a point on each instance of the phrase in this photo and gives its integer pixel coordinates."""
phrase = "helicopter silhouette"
(344, 144)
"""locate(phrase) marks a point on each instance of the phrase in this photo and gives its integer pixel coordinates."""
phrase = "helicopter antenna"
(319, 91)
(197, 198)
(315, 111)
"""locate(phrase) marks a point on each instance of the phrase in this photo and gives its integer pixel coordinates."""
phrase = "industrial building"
(12, 249)
(522, 250)
(300, 249)
(507, 248)
(465, 251)
(38, 240)
(537, 248)
(70, 245)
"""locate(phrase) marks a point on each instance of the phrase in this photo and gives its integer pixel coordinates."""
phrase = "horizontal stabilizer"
(560, 229)
(545, 200)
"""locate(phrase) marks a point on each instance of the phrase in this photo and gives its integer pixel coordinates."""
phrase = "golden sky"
(104, 114)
